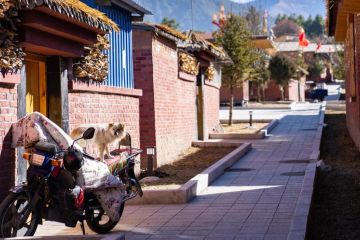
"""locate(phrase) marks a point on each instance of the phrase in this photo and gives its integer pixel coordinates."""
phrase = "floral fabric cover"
(93, 176)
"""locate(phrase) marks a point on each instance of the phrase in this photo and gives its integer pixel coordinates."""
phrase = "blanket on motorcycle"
(93, 176)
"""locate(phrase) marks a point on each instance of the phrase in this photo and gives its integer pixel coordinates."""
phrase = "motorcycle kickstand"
(82, 226)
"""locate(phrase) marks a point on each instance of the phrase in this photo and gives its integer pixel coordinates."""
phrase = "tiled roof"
(75, 9)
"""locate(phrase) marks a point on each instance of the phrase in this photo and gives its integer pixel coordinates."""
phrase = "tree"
(338, 65)
(260, 75)
(170, 23)
(316, 68)
(314, 27)
(254, 21)
(286, 27)
(234, 37)
(281, 71)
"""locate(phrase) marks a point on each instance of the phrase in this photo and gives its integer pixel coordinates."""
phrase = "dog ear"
(111, 125)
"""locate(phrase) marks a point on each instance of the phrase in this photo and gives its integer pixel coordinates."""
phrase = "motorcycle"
(50, 192)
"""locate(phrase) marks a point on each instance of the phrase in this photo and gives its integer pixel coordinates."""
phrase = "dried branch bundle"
(94, 65)
(11, 54)
(210, 73)
(188, 64)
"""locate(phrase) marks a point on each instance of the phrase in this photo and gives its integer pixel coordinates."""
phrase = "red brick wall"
(273, 93)
(143, 75)
(292, 93)
(88, 108)
(167, 107)
(8, 115)
(175, 124)
(241, 93)
(212, 103)
(353, 105)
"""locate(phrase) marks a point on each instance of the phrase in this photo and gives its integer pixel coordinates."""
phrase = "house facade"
(57, 45)
(343, 23)
(180, 80)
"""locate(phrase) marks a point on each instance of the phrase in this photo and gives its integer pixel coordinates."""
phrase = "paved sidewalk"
(255, 200)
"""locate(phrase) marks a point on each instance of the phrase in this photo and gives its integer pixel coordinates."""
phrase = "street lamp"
(251, 118)
(150, 152)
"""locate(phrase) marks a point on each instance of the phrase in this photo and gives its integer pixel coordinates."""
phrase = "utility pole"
(192, 16)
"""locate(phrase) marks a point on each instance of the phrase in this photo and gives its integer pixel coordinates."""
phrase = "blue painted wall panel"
(120, 70)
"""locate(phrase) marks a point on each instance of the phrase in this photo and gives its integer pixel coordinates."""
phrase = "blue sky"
(303, 7)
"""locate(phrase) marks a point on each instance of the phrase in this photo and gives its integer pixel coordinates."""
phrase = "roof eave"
(132, 7)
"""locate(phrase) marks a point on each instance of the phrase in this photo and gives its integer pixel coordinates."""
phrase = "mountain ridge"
(180, 10)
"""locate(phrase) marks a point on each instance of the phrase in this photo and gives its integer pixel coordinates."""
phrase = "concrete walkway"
(256, 199)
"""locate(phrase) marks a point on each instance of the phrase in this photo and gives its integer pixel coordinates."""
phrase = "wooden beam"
(38, 42)
(341, 26)
(350, 6)
(66, 18)
(58, 27)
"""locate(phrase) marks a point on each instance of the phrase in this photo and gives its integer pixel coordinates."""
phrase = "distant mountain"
(180, 10)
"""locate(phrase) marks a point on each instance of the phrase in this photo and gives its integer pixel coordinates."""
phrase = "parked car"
(318, 94)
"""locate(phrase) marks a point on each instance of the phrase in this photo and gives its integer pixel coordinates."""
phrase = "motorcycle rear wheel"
(98, 224)
(11, 210)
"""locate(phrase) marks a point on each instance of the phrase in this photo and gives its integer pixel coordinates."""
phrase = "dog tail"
(77, 132)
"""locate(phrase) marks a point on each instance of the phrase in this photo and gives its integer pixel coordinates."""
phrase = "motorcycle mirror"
(89, 133)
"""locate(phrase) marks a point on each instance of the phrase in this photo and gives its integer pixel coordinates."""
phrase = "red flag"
(318, 45)
(303, 42)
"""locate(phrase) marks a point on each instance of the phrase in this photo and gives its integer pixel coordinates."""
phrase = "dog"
(103, 137)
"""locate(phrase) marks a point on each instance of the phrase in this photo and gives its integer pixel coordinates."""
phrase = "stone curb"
(219, 144)
(195, 185)
(299, 222)
(270, 127)
(225, 121)
(258, 135)
(118, 236)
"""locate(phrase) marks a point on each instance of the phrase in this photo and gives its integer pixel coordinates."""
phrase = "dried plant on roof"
(11, 54)
(75, 9)
(172, 31)
(94, 65)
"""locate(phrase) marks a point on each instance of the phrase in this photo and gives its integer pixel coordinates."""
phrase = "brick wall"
(273, 93)
(8, 115)
(212, 100)
(353, 104)
(175, 124)
(240, 94)
(167, 107)
(91, 108)
(143, 75)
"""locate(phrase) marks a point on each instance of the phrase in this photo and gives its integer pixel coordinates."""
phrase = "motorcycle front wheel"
(100, 222)
(12, 214)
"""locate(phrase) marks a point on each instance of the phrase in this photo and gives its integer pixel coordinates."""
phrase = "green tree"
(254, 20)
(280, 17)
(338, 65)
(286, 27)
(234, 37)
(281, 71)
(170, 23)
(316, 68)
(260, 75)
(314, 27)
